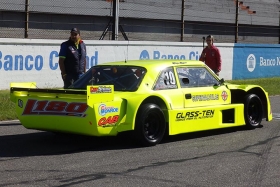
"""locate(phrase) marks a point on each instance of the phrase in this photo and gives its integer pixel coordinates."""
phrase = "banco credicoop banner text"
(256, 61)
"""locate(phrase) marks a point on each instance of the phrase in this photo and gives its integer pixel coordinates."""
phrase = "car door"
(202, 87)
(204, 99)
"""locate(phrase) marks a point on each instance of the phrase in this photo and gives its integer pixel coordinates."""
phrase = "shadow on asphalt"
(201, 134)
(46, 143)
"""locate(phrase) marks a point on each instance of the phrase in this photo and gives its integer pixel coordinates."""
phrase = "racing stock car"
(145, 98)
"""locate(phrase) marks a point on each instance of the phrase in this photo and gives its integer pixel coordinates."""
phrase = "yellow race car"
(148, 98)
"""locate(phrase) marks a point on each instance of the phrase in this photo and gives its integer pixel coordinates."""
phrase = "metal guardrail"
(178, 20)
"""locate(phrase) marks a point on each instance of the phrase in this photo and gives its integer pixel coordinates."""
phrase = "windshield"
(124, 78)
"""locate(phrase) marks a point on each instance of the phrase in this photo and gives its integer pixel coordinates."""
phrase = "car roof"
(156, 63)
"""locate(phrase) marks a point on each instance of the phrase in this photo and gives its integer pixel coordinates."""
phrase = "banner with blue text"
(256, 61)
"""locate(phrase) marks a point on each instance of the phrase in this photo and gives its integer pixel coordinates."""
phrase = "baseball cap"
(75, 30)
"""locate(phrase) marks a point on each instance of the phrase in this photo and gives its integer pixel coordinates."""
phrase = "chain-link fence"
(248, 21)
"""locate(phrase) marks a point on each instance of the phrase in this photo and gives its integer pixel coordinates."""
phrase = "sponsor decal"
(194, 115)
(103, 109)
(179, 62)
(205, 97)
(224, 95)
(62, 108)
(251, 62)
(107, 121)
(100, 89)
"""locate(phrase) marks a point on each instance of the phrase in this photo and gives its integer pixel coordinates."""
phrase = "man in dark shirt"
(72, 58)
(211, 56)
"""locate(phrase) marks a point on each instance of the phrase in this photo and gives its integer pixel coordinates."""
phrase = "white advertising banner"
(35, 60)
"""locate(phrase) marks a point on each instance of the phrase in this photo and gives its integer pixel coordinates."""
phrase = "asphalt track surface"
(227, 157)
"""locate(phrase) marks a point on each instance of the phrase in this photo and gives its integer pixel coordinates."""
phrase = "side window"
(166, 80)
(195, 77)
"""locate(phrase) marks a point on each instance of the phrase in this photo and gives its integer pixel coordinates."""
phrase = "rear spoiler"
(23, 84)
(94, 93)
(30, 87)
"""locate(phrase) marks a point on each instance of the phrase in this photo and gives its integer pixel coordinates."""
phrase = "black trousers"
(70, 79)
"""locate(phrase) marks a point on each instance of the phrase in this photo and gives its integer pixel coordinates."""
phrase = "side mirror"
(221, 82)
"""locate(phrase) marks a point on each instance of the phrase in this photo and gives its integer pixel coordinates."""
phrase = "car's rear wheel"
(149, 125)
(253, 111)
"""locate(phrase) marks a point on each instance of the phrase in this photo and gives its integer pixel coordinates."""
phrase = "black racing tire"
(253, 111)
(150, 125)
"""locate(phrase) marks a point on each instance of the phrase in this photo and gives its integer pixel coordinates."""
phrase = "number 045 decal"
(34, 107)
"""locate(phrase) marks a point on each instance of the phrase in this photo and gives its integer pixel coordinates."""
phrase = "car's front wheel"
(253, 111)
(149, 125)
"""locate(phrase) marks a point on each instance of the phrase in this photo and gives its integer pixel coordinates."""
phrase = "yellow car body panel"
(203, 118)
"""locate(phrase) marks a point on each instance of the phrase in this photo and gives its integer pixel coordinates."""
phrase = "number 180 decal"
(34, 107)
